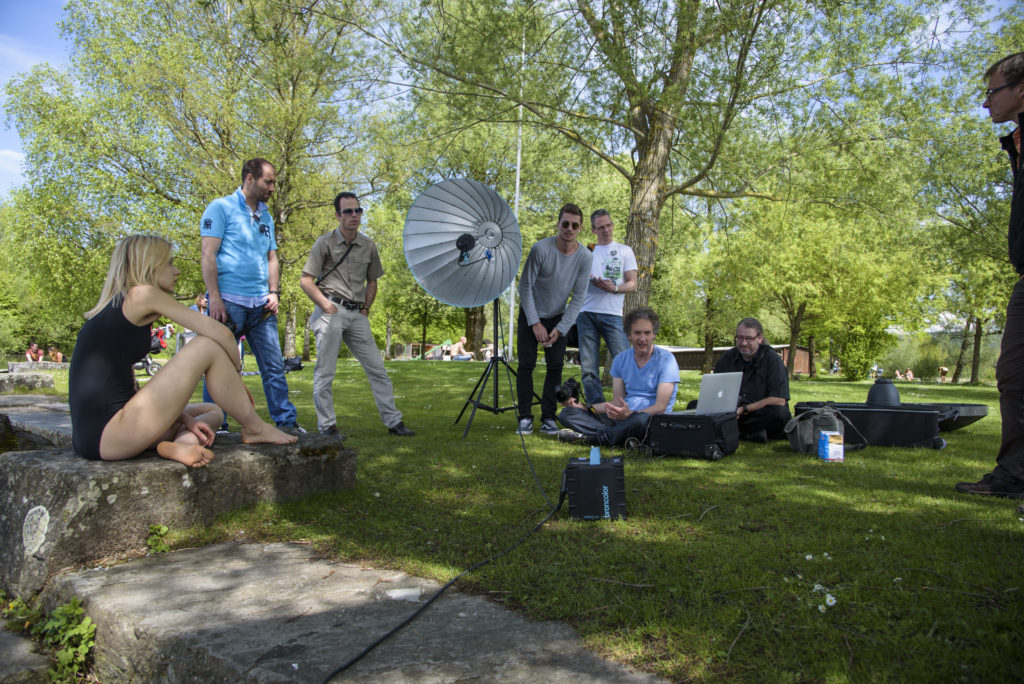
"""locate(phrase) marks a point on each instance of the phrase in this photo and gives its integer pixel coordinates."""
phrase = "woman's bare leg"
(158, 405)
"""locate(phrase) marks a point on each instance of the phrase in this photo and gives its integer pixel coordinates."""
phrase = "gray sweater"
(548, 278)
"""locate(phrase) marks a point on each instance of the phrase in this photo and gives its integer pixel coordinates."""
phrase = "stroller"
(156, 343)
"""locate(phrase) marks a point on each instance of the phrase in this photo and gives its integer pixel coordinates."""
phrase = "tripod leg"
(481, 383)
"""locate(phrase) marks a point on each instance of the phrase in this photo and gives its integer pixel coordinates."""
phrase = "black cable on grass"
(553, 509)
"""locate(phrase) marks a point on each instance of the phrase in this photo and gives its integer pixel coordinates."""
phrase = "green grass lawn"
(766, 566)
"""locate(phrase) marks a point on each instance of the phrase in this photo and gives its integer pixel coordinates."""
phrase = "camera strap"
(321, 278)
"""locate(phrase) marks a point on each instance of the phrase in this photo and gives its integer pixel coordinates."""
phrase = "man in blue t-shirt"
(645, 379)
(243, 277)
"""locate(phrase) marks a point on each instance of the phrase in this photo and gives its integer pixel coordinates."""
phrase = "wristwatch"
(616, 288)
(277, 292)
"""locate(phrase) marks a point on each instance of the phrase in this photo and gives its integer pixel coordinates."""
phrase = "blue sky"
(28, 35)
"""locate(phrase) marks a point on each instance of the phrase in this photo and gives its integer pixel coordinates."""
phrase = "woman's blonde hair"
(134, 262)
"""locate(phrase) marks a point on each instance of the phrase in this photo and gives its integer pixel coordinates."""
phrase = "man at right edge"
(1004, 100)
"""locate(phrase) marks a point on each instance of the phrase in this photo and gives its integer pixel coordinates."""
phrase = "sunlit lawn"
(723, 571)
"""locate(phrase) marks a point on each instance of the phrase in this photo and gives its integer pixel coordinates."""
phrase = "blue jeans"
(601, 429)
(590, 328)
(261, 334)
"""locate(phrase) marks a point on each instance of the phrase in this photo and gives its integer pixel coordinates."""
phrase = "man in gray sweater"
(556, 268)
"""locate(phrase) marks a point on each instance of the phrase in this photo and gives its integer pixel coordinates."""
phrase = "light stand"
(481, 384)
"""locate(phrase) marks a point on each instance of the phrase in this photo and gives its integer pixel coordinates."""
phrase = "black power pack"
(596, 492)
(685, 434)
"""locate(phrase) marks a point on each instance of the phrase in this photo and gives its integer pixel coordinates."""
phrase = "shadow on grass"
(765, 566)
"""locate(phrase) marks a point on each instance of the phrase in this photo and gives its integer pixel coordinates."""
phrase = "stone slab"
(19, 663)
(50, 421)
(270, 613)
(23, 366)
(33, 381)
(59, 509)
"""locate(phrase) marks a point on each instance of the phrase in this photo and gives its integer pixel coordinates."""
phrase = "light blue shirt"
(642, 383)
(246, 238)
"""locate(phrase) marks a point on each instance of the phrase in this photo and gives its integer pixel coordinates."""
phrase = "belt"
(345, 303)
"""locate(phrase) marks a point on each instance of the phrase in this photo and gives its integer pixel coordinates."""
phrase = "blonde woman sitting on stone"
(113, 421)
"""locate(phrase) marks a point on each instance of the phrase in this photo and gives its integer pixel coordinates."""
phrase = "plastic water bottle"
(595, 455)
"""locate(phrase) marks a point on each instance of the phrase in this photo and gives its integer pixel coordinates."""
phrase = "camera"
(570, 389)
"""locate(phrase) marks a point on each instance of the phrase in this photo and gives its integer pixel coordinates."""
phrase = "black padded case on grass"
(595, 492)
(710, 437)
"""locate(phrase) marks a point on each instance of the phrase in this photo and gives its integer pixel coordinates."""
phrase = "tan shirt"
(349, 279)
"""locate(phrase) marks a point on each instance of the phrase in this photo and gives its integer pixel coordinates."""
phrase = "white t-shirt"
(611, 261)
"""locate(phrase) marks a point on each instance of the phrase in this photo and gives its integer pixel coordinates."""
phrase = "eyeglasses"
(744, 338)
(263, 227)
(992, 91)
(348, 212)
(570, 225)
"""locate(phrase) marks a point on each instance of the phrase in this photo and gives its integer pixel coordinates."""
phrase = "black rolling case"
(678, 434)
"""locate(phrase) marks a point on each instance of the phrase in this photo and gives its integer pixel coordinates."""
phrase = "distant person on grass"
(113, 421)
(459, 351)
(1004, 100)
(34, 353)
(54, 354)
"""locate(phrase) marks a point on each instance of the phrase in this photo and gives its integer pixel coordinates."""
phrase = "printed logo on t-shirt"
(612, 267)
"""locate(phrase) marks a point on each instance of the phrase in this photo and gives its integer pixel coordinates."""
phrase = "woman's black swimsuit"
(101, 378)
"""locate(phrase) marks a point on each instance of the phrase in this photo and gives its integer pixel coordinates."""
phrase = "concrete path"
(266, 613)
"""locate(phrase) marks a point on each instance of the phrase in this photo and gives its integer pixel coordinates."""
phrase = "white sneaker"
(549, 427)
(525, 426)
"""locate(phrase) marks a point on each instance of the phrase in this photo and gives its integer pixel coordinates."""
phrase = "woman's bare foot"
(189, 454)
(265, 433)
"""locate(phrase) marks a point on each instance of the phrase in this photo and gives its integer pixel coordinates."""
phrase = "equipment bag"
(803, 430)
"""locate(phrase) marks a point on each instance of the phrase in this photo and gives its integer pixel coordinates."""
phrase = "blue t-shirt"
(642, 383)
(242, 267)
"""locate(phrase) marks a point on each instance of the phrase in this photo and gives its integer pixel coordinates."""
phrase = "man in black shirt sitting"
(763, 409)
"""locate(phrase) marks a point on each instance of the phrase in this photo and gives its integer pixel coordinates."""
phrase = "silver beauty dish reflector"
(462, 242)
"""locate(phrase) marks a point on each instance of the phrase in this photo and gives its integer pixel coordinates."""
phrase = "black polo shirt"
(763, 376)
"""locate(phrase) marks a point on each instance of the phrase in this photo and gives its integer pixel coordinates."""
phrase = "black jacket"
(763, 376)
(1015, 235)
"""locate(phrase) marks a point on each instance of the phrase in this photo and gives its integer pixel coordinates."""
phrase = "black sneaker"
(401, 430)
(992, 485)
(758, 436)
(333, 431)
(293, 429)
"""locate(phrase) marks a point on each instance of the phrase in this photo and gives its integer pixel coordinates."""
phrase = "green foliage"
(155, 541)
(67, 632)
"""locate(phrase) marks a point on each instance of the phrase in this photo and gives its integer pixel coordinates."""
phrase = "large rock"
(276, 613)
(59, 509)
(19, 662)
(13, 381)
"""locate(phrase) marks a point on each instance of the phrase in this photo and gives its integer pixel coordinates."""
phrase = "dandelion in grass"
(830, 600)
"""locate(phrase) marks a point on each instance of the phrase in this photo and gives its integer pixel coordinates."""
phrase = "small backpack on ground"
(803, 430)
(292, 364)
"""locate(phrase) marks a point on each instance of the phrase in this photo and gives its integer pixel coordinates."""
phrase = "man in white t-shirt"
(613, 273)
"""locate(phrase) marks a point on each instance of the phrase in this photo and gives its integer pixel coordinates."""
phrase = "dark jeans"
(261, 334)
(772, 419)
(554, 357)
(601, 429)
(1010, 380)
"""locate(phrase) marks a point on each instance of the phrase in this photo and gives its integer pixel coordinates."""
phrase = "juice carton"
(830, 446)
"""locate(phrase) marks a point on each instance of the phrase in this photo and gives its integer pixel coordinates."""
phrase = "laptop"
(719, 393)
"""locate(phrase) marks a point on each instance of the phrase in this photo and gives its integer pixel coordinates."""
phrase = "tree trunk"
(709, 352)
(289, 330)
(476, 324)
(423, 338)
(795, 322)
(812, 366)
(387, 337)
(305, 340)
(976, 357)
(959, 367)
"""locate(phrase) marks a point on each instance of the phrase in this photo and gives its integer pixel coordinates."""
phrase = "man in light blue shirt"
(645, 379)
(243, 277)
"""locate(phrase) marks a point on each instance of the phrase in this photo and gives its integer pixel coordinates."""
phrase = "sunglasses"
(572, 225)
(348, 212)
